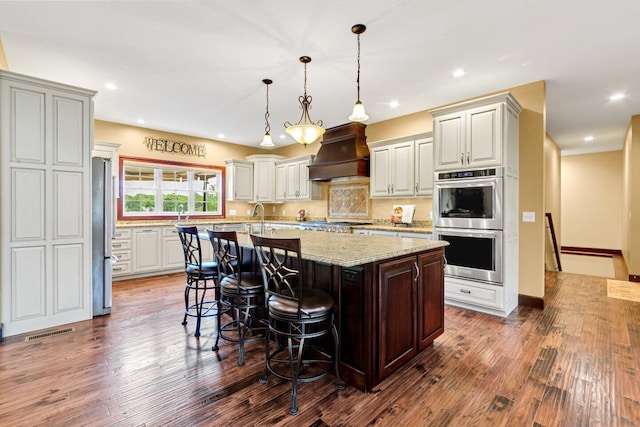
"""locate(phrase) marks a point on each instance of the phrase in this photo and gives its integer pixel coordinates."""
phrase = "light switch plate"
(232, 212)
(528, 217)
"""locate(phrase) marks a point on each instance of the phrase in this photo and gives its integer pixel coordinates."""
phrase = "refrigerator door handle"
(108, 209)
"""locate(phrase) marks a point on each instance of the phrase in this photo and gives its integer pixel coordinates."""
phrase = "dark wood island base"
(387, 312)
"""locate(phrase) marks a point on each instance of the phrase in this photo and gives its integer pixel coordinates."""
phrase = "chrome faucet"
(255, 212)
(180, 211)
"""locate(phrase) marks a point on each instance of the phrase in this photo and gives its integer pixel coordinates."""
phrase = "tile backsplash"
(349, 201)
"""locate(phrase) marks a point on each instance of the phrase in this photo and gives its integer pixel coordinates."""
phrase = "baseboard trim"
(590, 251)
(532, 302)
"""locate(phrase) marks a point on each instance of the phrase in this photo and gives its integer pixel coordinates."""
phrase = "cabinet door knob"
(415, 264)
(468, 157)
(416, 187)
(462, 158)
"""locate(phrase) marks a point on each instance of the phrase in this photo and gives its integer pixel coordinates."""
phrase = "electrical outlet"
(273, 209)
(248, 212)
(528, 217)
(232, 212)
(430, 214)
(284, 212)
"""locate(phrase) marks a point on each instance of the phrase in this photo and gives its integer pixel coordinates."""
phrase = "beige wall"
(631, 199)
(131, 140)
(592, 200)
(552, 199)
(3, 58)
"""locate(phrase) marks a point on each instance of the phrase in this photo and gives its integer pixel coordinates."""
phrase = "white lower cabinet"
(474, 295)
(121, 248)
(146, 249)
(172, 253)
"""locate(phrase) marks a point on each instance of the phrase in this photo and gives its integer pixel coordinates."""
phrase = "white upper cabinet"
(402, 167)
(264, 177)
(292, 180)
(239, 180)
(476, 134)
(424, 167)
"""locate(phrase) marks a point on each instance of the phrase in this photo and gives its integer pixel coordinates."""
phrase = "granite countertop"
(402, 228)
(414, 228)
(348, 250)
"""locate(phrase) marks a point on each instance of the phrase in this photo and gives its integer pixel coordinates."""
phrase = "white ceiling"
(196, 67)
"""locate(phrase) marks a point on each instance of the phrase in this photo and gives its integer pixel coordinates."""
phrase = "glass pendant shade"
(267, 141)
(358, 114)
(305, 131)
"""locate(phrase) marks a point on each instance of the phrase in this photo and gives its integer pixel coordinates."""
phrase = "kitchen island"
(389, 295)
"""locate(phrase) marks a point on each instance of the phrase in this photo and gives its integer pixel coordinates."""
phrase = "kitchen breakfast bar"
(389, 296)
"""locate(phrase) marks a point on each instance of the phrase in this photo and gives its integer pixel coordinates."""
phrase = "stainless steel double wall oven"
(468, 208)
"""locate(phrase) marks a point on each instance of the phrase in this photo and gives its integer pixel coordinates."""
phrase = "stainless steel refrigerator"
(103, 225)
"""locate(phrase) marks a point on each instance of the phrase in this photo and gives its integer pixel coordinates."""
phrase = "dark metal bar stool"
(241, 290)
(201, 281)
(297, 314)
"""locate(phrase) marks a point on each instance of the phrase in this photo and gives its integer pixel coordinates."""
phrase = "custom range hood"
(343, 153)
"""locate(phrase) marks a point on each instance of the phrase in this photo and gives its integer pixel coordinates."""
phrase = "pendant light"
(267, 141)
(358, 114)
(305, 131)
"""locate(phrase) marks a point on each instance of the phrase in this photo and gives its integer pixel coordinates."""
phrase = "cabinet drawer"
(118, 245)
(122, 233)
(122, 256)
(413, 235)
(170, 231)
(121, 268)
(472, 293)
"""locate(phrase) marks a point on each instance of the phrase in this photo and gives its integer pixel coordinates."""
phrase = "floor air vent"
(49, 334)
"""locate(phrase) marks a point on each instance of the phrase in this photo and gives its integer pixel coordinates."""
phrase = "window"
(152, 189)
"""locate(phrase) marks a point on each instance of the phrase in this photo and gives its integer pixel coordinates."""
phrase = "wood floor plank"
(576, 363)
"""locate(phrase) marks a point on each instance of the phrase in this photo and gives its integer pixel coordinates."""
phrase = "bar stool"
(241, 291)
(201, 281)
(297, 314)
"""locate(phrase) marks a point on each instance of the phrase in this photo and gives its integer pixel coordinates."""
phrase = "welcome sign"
(177, 147)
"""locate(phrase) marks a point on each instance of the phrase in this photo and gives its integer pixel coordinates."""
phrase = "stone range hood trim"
(343, 153)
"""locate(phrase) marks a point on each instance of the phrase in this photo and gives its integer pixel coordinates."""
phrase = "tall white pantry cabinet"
(46, 132)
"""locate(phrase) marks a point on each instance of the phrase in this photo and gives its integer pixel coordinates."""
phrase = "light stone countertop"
(208, 223)
(348, 250)
(399, 228)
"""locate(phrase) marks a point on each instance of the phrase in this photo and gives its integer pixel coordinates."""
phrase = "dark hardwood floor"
(575, 363)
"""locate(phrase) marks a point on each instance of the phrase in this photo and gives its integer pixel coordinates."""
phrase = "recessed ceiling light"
(111, 86)
(282, 136)
(140, 121)
(221, 135)
(459, 72)
(394, 104)
(617, 96)
(588, 138)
